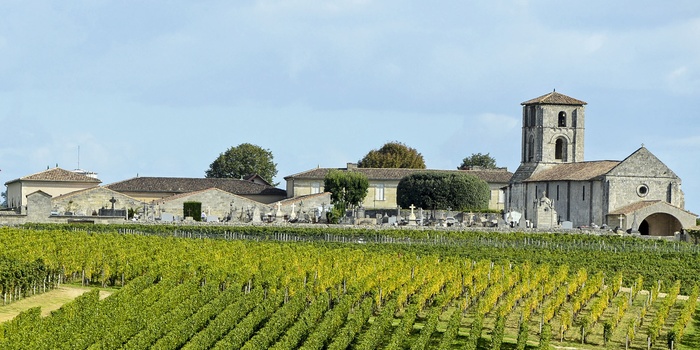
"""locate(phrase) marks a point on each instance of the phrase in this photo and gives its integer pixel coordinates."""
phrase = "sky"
(161, 88)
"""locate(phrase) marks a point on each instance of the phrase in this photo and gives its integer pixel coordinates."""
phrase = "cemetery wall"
(88, 202)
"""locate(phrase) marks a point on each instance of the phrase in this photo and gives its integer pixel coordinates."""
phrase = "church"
(555, 187)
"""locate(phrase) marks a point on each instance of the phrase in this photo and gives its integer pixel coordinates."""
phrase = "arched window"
(560, 149)
(562, 119)
(531, 149)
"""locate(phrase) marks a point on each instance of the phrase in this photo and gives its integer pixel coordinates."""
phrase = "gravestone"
(256, 215)
(567, 225)
(412, 216)
(212, 218)
(167, 217)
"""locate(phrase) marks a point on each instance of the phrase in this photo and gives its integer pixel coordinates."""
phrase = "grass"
(49, 301)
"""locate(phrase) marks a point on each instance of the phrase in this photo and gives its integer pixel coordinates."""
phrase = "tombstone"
(167, 217)
(212, 218)
(512, 218)
(500, 223)
(522, 223)
(278, 213)
(546, 215)
(292, 214)
(412, 216)
(256, 215)
(567, 225)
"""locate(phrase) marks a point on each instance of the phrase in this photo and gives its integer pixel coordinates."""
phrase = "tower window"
(562, 119)
(560, 149)
(531, 149)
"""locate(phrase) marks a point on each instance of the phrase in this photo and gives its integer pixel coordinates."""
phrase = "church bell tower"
(553, 126)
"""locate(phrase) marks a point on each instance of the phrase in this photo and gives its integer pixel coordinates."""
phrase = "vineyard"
(276, 288)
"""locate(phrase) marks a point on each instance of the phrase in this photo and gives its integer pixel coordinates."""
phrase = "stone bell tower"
(552, 133)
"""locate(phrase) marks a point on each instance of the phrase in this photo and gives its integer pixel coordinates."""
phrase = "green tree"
(243, 160)
(393, 155)
(480, 160)
(442, 190)
(347, 188)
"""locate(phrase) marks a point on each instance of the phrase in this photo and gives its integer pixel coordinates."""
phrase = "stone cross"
(412, 207)
(293, 205)
(112, 200)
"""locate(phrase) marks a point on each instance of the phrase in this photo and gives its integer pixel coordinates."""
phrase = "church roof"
(579, 171)
(554, 98)
(57, 175)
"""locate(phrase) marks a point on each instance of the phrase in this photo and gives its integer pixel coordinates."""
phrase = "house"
(555, 185)
(53, 182)
(384, 181)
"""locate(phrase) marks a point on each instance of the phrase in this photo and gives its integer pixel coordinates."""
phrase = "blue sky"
(160, 88)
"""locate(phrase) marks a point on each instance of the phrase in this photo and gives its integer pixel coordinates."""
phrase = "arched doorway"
(660, 224)
(644, 228)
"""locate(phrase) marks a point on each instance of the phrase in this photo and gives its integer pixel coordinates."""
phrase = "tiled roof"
(91, 189)
(57, 175)
(187, 194)
(579, 171)
(554, 98)
(185, 185)
(298, 199)
(631, 208)
(488, 175)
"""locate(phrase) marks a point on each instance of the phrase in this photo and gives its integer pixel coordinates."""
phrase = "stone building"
(639, 194)
(383, 183)
(153, 189)
(54, 182)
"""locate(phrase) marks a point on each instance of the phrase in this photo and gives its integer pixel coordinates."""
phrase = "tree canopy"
(243, 160)
(393, 155)
(443, 190)
(479, 160)
(347, 188)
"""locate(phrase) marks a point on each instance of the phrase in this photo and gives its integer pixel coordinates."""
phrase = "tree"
(347, 188)
(393, 155)
(442, 190)
(243, 160)
(480, 160)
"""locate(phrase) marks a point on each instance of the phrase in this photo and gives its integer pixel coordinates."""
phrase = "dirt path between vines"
(49, 301)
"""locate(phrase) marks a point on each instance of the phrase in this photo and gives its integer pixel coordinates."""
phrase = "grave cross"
(112, 200)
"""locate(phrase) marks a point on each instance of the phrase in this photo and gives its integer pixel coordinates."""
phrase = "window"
(562, 119)
(531, 149)
(379, 192)
(557, 192)
(560, 149)
(584, 193)
(642, 190)
(315, 187)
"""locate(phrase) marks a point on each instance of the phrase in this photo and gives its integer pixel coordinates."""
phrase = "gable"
(642, 163)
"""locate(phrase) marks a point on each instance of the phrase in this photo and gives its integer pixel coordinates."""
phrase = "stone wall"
(89, 202)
